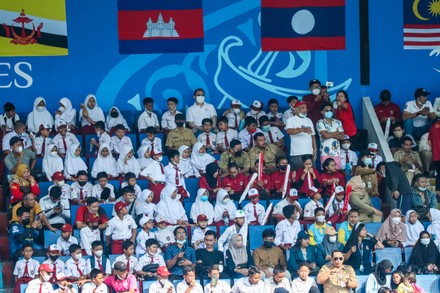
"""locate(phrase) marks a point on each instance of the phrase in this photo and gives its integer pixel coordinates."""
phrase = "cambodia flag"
(301, 25)
(165, 26)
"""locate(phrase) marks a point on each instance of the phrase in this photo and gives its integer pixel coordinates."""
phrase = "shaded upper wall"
(231, 66)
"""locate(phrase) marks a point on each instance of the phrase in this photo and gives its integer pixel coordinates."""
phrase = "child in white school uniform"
(98, 260)
(152, 258)
(41, 142)
(75, 268)
(26, 268)
(146, 223)
(254, 211)
(53, 253)
(66, 239)
(97, 189)
(119, 140)
(127, 256)
(90, 233)
(64, 139)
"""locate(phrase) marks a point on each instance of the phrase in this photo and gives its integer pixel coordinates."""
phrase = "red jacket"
(204, 184)
(17, 194)
(326, 176)
(278, 179)
(237, 184)
(302, 185)
(266, 180)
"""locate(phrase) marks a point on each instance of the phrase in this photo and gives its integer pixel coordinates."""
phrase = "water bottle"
(91, 145)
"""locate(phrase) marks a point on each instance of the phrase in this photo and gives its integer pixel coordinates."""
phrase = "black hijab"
(380, 271)
(211, 168)
(353, 239)
(424, 254)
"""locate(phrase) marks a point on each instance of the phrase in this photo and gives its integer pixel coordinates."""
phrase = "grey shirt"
(11, 160)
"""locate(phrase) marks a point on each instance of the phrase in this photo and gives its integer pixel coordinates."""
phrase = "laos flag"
(165, 26)
(299, 25)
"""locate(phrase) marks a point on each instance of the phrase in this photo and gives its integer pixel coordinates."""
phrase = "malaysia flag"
(421, 24)
(302, 25)
(165, 26)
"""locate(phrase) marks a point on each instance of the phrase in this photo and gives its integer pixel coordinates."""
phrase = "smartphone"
(329, 83)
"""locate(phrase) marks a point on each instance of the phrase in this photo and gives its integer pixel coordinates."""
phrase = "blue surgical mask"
(266, 128)
(368, 161)
(328, 114)
(422, 188)
(204, 198)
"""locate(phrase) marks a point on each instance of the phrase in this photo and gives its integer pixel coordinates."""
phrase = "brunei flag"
(33, 28)
(165, 26)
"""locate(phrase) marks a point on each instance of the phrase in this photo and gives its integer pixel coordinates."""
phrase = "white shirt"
(245, 137)
(71, 270)
(223, 241)
(198, 234)
(256, 116)
(309, 209)
(96, 190)
(75, 190)
(286, 233)
(64, 245)
(329, 146)
(132, 259)
(69, 138)
(38, 142)
(105, 138)
(147, 259)
(5, 142)
(135, 210)
(230, 134)
(271, 286)
(411, 107)
(353, 159)
(157, 143)
(141, 237)
(243, 286)
(301, 143)
(248, 209)
(89, 287)
(203, 137)
(154, 171)
(107, 269)
(182, 287)
(276, 133)
(60, 266)
(32, 268)
(87, 236)
(287, 114)
(157, 287)
(137, 188)
(222, 287)
(170, 175)
(371, 285)
(197, 113)
(278, 209)
(34, 287)
(298, 286)
(147, 119)
(117, 144)
(339, 205)
(120, 229)
(4, 120)
(231, 119)
(165, 237)
(47, 206)
(168, 120)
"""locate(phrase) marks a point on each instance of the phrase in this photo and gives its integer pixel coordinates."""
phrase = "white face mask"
(302, 115)
(98, 253)
(130, 200)
(78, 256)
(41, 108)
(46, 278)
(62, 109)
(200, 99)
(253, 112)
(316, 91)
(53, 154)
(332, 239)
(98, 134)
(425, 241)
(297, 216)
(19, 149)
(226, 200)
(61, 183)
(160, 159)
(346, 146)
(236, 110)
(396, 220)
(320, 219)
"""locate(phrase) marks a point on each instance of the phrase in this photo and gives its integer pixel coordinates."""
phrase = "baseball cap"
(329, 230)
(313, 81)
(160, 219)
(253, 192)
(61, 276)
(144, 220)
(239, 214)
(257, 105)
(372, 146)
(156, 151)
(120, 266)
(300, 104)
(58, 176)
(293, 193)
(61, 123)
(119, 206)
(45, 267)
(53, 248)
(67, 228)
(421, 92)
(44, 126)
(339, 189)
(346, 137)
(236, 103)
(163, 271)
(202, 217)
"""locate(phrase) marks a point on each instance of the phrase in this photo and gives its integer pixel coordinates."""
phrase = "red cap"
(66, 228)
(119, 206)
(202, 217)
(58, 176)
(92, 218)
(45, 267)
(163, 271)
(300, 104)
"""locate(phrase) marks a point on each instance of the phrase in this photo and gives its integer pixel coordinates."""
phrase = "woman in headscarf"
(127, 162)
(40, 115)
(358, 250)
(114, 118)
(105, 162)
(171, 208)
(392, 233)
(359, 199)
(330, 242)
(202, 206)
(73, 162)
(52, 162)
(200, 159)
(302, 251)
(148, 207)
(89, 114)
(22, 182)
(66, 113)
(211, 180)
(144, 157)
(380, 277)
(413, 228)
(238, 258)
(185, 165)
(434, 227)
(224, 210)
(425, 255)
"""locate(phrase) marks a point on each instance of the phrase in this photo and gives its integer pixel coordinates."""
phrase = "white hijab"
(170, 209)
(36, 118)
(72, 163)
(143, 162)
(147, 208)
(51, 164)
(221, 207)
(95, 114)
(104, 164)
(202, 207)
(112, 122)
(198, 160)
(412, 230)
(185, 164)
(69, 114)
(434, 228)
(132, 164)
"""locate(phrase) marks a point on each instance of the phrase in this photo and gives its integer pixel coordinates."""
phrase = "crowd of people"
(253, 169)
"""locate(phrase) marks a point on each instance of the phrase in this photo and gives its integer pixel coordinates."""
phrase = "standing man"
(199, 111)
(337, 277)
(315, 100)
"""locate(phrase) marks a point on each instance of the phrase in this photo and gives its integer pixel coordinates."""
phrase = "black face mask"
(268, 244)
(82, 183)
(94, 227)
(180, 123)
(283, 167)
(54, 257)
(114, 114)
(26, 222)
(238, 153)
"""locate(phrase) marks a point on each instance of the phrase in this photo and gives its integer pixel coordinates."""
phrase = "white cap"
(144, 220)
(160, 219)
(61, 276)
(372, 146)
(293, 192)
(253, 192)
(156, 150)
(339, 189)
(236, 103)
(346, 137)
(239, 214)
(61, 123)
(53, 247)
(257, 104)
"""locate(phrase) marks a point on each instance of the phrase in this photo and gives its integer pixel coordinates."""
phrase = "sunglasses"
(338, 258)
